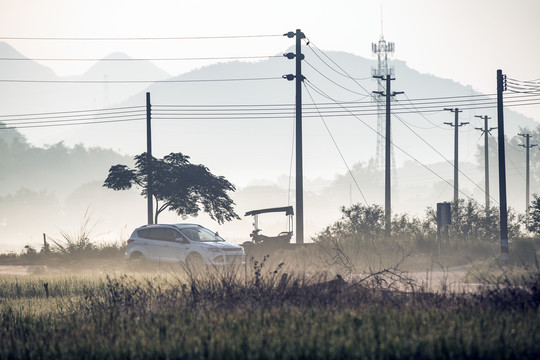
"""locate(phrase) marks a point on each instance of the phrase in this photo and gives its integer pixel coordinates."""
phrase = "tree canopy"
(534, 215)
(176, 185)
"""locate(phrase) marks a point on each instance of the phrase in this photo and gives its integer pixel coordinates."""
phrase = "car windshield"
(200, 234)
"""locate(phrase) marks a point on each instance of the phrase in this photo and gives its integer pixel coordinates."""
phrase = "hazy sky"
(466, 40)
(463, 40)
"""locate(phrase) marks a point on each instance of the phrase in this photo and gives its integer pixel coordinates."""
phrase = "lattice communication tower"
(383, 50)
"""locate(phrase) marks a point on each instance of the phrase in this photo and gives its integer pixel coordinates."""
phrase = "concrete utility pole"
(486, 131)
(149, 154)
(387, 160)
(501, 86)
(527, 146)
(299, 168)
(456, 125)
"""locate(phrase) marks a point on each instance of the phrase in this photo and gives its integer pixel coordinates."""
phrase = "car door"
(181, 246)
(178, 246)
(147, 243)
(158, 245)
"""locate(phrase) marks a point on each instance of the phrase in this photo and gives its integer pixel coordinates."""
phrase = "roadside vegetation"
(351, 294)
(255, 312)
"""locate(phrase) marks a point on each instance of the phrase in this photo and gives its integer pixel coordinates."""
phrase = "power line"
(522, 86)
(344, 74)
(267, 111)
(418, 112)
(144, 59)
(339, 67)
(74, 111)
(332, 81)
(71, 124)
(140, 38)
(397, 147)
(41, 121)
(441, 155)
(225, 112)
(91, 115)
(136, 81)
(337, 147)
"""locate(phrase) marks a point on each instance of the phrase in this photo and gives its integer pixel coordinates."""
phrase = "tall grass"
(261, 312)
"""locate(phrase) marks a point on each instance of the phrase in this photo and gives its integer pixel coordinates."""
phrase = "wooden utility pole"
(456, 125)
(388, 155)
(501, 86)
(149, 158)
(298, 56)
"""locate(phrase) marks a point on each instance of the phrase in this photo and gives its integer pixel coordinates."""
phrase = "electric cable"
(308, 43)
(337, 148)
(135, 81)
(332, 81)
(442, 156)
(344, 72)
(143, 59)
(402, 150)
(139, 38)
(68, 121)
(70, 124)
(91, 115)
(75, 111)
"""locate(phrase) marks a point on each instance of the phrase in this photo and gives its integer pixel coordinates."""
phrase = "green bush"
(523, 252)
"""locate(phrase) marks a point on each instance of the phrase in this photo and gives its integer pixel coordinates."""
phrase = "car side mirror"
(182, 240)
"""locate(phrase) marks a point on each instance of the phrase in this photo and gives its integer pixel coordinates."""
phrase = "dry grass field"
(265, 310)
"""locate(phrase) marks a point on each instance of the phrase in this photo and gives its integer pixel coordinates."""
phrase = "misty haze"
(207, 180)
(254, 154)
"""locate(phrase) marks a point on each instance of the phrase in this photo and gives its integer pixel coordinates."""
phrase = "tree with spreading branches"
(176, 185)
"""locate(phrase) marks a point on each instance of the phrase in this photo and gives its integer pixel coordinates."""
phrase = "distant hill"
(261, 148)
(57, 168)
(52, 175)
(252, 150)
(43, 97)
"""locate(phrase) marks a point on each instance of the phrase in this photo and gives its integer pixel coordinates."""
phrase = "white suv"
(188, 243)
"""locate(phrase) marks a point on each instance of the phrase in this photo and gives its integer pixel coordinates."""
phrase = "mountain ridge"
(228, 145)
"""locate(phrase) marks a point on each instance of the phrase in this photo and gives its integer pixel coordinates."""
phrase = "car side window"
(145, 233)
(170, 234)
(159, 233)
(191, 234)
(179, 237)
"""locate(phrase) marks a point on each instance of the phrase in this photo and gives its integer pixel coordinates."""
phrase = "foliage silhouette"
(176, 185)
(534, 215)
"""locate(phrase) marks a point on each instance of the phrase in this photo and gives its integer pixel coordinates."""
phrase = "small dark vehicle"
(260, 244)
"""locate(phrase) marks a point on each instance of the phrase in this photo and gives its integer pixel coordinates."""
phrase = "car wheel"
(136, 260)
(194, 261)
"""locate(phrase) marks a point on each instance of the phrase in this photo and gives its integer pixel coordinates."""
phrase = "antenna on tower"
(381, 22)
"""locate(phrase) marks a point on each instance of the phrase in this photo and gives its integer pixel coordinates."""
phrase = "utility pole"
(527, 146)
(387, 160)
(501, 86)
(486, 131)
(299, 168)
(456, 125)
(149, 157)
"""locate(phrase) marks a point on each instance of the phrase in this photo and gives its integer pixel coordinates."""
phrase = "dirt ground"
(449, 279)
(20, 269)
